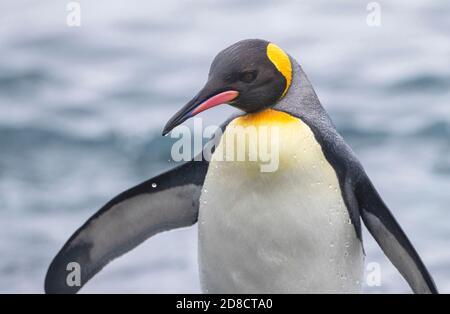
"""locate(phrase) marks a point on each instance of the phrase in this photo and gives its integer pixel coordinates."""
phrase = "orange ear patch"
(282, 62)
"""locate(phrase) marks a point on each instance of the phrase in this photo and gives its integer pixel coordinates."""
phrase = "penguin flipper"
(391, 238)
(168, 201)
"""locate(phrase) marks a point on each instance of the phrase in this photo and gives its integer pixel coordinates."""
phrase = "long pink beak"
(197, 105)
(216, 100)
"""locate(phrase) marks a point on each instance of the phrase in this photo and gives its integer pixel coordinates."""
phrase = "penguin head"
(250, 75)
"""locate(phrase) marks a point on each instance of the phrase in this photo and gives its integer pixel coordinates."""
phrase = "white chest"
(286, 231)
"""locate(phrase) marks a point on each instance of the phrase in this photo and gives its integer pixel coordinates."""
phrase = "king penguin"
(293, 229)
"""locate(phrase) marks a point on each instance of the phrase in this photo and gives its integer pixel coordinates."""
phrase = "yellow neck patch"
(282, 62)
(265, 117)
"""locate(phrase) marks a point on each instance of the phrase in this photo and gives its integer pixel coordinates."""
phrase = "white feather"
(286, 231)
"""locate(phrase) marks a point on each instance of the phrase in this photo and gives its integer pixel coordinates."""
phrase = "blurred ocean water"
(82, 109)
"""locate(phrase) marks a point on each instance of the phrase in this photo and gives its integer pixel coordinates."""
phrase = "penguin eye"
(248, 76)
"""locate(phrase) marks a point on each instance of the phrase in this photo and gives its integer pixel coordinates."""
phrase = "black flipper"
(168, 201)
(391, 238)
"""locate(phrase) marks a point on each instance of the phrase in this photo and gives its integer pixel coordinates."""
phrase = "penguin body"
(285, 231)
(295, 227)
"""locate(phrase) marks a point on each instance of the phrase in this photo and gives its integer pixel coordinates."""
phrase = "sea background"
(82, 109)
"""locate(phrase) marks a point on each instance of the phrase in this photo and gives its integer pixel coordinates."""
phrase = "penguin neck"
(301, 99)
